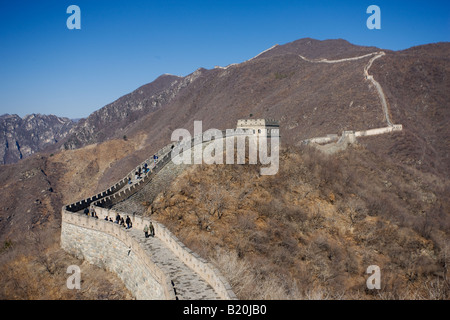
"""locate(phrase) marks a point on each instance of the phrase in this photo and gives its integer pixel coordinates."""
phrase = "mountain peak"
(314, 49)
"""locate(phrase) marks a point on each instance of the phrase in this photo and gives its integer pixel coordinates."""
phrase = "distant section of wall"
(107, 194)
(321, 140)
(332, 143)
(350, 136)
(373, 132)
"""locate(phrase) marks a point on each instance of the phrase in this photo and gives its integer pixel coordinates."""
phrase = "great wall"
(332, 143)
(151, 268)
(162, 267)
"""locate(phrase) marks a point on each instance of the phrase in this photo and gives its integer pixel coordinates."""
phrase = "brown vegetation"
(32, 264)
(312, 230)
(35, 268)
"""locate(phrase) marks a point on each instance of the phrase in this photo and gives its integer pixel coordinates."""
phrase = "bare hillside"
(312, 230)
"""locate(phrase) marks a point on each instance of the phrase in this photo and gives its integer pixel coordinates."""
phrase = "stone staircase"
(159, 183)
(187, 283)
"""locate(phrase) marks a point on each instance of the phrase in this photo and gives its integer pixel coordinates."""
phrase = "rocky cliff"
(21, 137)
(111, 120)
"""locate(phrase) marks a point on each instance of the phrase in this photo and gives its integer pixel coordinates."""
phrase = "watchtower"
(259, 126)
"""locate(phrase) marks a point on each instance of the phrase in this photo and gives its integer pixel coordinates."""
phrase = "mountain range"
(313, 88)
(308, 99)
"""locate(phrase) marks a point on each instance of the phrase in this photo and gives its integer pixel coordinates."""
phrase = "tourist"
(146, 231)
(86, 211)
(128, 221)
(152, 229)
(122, 222)
(117, 218)
(106, 218)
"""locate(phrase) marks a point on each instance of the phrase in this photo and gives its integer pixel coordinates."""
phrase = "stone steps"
(160, 182)
(188, 284)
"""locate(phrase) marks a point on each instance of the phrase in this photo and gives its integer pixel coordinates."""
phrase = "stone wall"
(322, 140)
(109, 246)
(202, 267)
(108, 193)
(350, 136)
(377, 131)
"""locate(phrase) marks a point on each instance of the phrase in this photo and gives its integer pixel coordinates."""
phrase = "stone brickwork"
(193, 261)
(109, 246)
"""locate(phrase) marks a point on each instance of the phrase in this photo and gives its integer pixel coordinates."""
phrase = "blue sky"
(47, 68)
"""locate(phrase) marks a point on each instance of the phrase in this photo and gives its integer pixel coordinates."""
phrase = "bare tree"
(40, 245)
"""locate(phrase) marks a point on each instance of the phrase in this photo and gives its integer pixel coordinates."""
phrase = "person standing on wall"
(152, 229)
(146, 231)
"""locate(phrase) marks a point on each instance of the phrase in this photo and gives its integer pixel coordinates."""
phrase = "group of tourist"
(149, 230)
(126, 223)
(140, 171)
(92, 214)
(144, 170)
